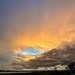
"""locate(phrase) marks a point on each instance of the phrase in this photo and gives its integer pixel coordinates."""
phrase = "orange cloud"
(16, 50)
(46, 27)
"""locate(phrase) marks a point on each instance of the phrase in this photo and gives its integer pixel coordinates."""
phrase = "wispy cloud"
(44, 23)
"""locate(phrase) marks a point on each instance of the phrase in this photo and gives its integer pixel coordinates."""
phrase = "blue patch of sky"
(30, 51)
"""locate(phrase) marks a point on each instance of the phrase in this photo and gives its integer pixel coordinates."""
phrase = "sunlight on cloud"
(42, 25)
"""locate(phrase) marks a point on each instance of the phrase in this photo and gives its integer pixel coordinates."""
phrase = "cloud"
(39, 24)
(45, 24)
(5, 56)
(57, 56)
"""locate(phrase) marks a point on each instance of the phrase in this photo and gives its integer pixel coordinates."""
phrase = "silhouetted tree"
(71, 67)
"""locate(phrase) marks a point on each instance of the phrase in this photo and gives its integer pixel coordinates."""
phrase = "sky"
(29, 51)
(41, 24)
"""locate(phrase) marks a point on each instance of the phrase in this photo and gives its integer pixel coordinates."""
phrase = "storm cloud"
(35, 23)
(57, 56)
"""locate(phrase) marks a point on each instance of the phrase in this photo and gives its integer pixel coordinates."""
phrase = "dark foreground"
(68, 72)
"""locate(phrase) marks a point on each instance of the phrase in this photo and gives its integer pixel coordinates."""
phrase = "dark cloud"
(63, 55)
(44, 24)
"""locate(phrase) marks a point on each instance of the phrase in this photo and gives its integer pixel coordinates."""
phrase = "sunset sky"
(41, 24)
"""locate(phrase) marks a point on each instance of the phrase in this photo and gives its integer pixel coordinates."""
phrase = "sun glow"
(45, 28)
(17, 50)
(46, 43)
